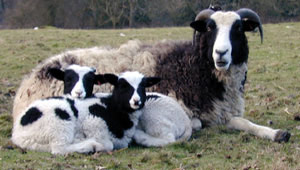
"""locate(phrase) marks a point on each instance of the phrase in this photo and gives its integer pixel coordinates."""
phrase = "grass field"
(272, 99)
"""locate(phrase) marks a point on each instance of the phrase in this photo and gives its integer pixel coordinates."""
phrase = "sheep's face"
(222, 48)
(78, 80)
(130, 89)
(225, 39)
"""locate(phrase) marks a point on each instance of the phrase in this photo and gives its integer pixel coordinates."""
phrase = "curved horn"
(202, 15)
(249, 15)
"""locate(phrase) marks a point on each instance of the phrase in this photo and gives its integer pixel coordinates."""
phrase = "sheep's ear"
(111, 78)
(249, 25)
(199, 26)
(150, 81)
(99, 79)
(57, 73)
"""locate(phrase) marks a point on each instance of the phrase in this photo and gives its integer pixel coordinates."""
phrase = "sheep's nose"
(136, 102)
(221, 53)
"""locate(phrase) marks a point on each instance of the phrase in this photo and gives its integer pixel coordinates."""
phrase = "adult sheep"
(206, 77)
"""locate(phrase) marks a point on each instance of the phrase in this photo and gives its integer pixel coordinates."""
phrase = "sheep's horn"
(248, 14)
(202, 15)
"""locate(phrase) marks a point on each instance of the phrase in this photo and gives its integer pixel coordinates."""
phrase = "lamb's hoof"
(282, 136)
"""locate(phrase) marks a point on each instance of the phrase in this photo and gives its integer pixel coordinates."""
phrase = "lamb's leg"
(145, 139)
(85, 146)
(242, 124)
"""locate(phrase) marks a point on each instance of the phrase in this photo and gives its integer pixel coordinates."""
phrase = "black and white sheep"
(51, 124)
(121, 110)
(206, 77)
(62, 125)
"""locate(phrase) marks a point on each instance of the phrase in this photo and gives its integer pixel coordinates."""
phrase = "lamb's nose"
(78, 93)
(221, 52)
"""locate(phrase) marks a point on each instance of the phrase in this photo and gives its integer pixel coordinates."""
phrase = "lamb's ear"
(199, 26)
(99, 79)
(57, 73)
(111, 78)
(150, 81)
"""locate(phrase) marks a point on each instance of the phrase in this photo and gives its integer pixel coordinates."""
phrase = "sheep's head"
(130, 89)
(78, 80)
(227, 42)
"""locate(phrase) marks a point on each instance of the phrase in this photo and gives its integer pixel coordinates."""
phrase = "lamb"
(122, 108)
(206, 77)
(63, 124)
(50, 124)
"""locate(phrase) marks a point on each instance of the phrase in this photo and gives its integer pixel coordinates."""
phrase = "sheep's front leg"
(196, 124)
(242, 124)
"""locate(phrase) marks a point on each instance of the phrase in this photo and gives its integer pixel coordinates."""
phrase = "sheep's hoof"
(196, 124)
(282, 136)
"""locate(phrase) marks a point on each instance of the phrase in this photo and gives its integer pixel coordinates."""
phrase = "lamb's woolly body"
(163, 121)
(50, 133)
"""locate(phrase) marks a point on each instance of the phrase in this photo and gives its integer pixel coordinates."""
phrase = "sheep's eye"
(210, 26)
(89, 77)
(238, 27)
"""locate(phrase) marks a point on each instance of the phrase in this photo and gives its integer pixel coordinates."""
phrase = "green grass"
(272, 94)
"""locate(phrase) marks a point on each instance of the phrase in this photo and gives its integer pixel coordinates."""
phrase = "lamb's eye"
(208, 29)
(123, 86)
(68, 79)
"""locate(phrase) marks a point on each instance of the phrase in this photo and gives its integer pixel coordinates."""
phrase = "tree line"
(92, 14)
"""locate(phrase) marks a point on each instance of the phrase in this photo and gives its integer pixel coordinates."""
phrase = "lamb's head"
(130, 89)
(222, 35)
(78, 80)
